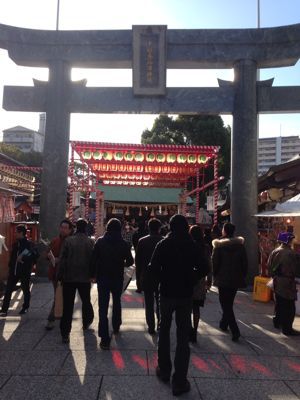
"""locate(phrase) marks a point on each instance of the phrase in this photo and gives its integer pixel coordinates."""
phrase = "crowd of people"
(174, 271)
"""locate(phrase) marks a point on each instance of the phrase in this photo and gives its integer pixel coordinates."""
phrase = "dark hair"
(67, 222)
(81, 225)
(207, 232)
(154, 225)
(196, 233)
(113, 225)
(229, 229)
(21, 229)
(216, 230)
(179, 224)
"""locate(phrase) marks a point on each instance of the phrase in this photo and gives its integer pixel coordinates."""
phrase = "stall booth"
(96, 166)
(16, 181)
(285, 217)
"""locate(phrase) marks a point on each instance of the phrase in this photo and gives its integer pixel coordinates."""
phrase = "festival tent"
(289, 208)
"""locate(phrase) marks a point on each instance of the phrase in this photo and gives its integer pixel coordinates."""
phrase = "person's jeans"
(285, 313)
(182, 308)
(105, 287)
(226, 298)
(11, 283)
(150, 297)
(69, 292)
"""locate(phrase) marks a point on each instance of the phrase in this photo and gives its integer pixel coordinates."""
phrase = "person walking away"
(75, 274)
(203, 284)
(22, 258)
(111, 254)
(127, 234)
(144, 251)
(137, 235)
(65, 230)
(173, 265)
(230, 267)
(284, 264)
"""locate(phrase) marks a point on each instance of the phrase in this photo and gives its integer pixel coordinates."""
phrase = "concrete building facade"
(276, 150)
(26, 139)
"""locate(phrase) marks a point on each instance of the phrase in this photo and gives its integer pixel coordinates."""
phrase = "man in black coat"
(143, 254)
(111, 254)
(141, 232)
(230, 266)
(173, 265)
(75, 274)
(22, 258)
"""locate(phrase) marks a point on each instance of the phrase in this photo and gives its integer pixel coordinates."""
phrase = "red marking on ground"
(261, 368)
(140, 361)
(215, 365)
(130, 299)
(200, 364)
(293, 366)
(238, 363)
(153, 361)
(118, 359)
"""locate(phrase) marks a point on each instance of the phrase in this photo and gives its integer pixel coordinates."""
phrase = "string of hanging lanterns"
(163, 209)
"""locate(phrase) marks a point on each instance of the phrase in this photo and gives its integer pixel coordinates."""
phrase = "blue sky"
(120, 14)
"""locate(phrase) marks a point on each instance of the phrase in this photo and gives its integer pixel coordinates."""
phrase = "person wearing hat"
(284, 264)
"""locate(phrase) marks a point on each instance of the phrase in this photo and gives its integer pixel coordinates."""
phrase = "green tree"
(201, 130)
(11, 151)
(31, 159)
(163, 131)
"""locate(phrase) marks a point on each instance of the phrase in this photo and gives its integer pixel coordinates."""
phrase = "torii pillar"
(244, 158)
(56, 147)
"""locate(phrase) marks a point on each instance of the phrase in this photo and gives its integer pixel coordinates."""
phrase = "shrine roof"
(150, 165)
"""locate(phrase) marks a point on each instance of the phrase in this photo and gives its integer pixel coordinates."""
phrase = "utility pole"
(57, 15)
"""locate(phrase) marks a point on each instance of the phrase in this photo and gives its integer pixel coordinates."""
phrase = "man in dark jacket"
(138, 234)
(284, 264)
(144, 251)
(173, 265)
(22, 258)
(111, 254)
(75, 274)
(230, 266)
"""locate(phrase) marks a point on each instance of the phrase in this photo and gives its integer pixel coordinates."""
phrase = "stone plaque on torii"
(244, 50)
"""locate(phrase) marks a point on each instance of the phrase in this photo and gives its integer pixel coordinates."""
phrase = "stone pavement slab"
(99, 362)
(294, 386)
(276, 345)
(221, 344)
(240, 389)
(42, 363)
(11, 360)
(36, 365)
(140, 387)
(51, 388)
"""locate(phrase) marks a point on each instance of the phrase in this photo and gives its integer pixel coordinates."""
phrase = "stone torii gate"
(149, 50)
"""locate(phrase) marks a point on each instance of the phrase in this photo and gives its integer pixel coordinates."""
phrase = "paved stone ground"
(36, 365)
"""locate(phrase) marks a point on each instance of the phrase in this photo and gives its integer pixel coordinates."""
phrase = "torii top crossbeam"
(166, 166)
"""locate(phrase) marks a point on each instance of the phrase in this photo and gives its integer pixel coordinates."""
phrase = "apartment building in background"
(276, 150)
(26, 139)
